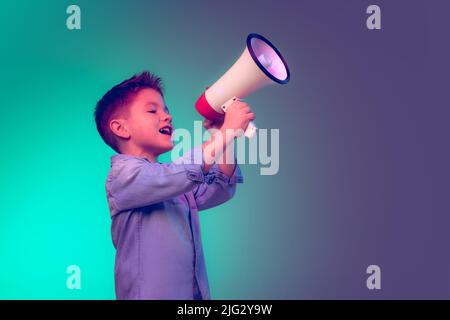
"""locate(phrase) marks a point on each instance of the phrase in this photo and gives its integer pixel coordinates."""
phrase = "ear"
(119, 128)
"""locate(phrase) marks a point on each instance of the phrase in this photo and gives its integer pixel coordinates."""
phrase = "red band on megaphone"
(204, 108)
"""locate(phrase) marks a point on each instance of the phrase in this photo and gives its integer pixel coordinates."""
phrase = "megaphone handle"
(251, 130)
(251, 127)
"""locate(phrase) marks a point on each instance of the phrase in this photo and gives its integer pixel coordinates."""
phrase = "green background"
(54, 210)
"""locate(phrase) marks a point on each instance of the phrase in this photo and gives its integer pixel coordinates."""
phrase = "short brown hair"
(118, 98)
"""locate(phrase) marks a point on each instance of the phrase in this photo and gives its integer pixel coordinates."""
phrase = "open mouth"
(167, 130)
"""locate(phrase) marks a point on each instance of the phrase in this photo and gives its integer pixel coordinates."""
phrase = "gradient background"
(364, 150)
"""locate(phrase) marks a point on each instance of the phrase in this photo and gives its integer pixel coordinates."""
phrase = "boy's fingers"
(246, 109)
(240, 104)
(207, 123)
(219, 122)
(212, 123)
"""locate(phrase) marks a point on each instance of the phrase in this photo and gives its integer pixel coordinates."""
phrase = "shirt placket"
(192, 227)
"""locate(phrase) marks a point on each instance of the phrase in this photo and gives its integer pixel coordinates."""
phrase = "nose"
(167, 117)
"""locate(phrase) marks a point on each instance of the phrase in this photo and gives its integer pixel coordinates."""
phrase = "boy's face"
(149, 122)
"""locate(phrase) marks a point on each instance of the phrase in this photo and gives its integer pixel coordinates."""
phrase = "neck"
(139, 152)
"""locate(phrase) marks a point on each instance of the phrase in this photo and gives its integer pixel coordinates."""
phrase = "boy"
(154, 207)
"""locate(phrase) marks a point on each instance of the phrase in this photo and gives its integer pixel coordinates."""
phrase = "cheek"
(146, 127)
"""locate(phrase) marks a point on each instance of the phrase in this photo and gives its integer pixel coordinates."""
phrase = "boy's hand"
(237, 116)
(212, 124)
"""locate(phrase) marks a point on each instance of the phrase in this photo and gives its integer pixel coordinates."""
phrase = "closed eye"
(152, 111)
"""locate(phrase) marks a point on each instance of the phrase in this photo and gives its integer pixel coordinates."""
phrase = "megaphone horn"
(259, 65)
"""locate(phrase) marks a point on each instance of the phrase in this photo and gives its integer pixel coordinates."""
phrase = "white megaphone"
(259, 65)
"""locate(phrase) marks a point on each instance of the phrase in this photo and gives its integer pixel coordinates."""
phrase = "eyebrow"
(156, 104)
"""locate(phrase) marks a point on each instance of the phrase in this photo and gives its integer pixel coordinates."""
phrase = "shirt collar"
(122, 157)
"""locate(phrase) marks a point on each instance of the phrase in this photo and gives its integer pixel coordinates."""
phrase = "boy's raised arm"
(236, 119)
(135, 182)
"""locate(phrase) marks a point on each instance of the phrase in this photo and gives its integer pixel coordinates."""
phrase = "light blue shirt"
(155, 225)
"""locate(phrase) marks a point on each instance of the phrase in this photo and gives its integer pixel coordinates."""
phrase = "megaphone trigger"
(251, 130)
(228, 103)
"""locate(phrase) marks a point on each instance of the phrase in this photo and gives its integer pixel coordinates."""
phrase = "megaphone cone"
(259, 65)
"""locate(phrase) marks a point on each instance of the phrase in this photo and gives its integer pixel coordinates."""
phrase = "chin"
(167, 148)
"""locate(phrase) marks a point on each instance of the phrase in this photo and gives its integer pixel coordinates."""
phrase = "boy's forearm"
(215, 147)
(227, 169)
(227, 165)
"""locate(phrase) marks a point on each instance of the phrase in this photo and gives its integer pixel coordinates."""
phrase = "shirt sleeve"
(137, 183)
(217, 188)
